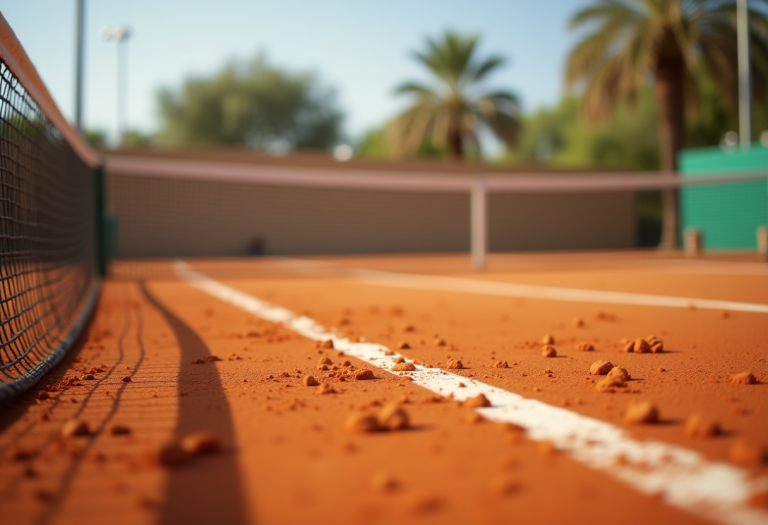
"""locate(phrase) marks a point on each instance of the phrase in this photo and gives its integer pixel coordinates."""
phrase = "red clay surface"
(286, 456)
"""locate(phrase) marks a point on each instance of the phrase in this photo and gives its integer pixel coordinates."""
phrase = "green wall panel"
(728, 214)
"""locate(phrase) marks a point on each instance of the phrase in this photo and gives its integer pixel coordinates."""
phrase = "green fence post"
(101, 254)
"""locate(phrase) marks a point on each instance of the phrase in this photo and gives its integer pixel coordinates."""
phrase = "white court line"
(684, 478)
(556, 293)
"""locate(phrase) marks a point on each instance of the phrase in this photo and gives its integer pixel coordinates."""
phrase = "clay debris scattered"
(392, 417)
(645, 345)
(177, 452)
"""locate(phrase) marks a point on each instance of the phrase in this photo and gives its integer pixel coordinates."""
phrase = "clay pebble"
(361, 422)
(548, 351)
(393, 417)
(75, 428)
(700, 426)
(641, 412)
(619, 372)
(610, 384)
(325, 388)
(201, 442)
(169, 454)
(119, 429)
(600, 368)
(404, 367)
(364, 375)
(454, 364)
(479, 401)
(744, 378)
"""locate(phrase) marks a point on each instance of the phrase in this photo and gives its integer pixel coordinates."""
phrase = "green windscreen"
(727, 214)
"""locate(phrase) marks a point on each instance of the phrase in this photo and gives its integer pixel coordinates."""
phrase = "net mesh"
(47, 238)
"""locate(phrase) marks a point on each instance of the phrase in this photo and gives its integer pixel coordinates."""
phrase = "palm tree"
(453, 109)
(628, 40)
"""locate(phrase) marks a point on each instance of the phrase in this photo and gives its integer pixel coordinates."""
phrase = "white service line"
(683, 478)
(531, 291)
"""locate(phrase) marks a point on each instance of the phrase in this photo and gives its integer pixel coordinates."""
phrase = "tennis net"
(48, 266)
(223, 203)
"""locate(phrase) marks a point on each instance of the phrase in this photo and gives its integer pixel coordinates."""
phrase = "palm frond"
(454, 108)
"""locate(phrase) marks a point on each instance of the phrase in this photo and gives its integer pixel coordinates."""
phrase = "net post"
(101, 254)
(478, 223)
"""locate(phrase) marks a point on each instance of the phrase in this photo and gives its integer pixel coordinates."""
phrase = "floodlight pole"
(745, 95)
(478, 207)
(79, 47)
(120, 35)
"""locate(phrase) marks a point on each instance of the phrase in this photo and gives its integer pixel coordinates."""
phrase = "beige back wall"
(171, 217)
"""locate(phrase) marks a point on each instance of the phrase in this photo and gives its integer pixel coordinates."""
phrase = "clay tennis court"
(176, 348)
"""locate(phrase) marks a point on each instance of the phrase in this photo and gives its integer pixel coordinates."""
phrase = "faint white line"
(684, 478)
(530, 291)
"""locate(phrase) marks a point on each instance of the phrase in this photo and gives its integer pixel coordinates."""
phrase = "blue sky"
(360, 47)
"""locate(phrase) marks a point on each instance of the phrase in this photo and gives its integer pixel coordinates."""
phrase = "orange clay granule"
(201, 442)
(454, 364)
(361, 422)
(363, 375)
(641, 412)
(393, 417)
(600, 368)
(619, 372)
(478, 401)
(700, 426)
(74, 427)
(743, 378)
(548, 351)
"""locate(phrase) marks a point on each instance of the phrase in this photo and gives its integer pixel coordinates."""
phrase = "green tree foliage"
(627, 40)
(135, 138)
(559, 137)
(96, 137)
(450, 111)
(253, 104)
(716, 114)
(376, 144)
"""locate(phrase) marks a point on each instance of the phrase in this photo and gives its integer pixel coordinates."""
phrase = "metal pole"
(79, 47)
(745, 96)
(121, 91)
(478, 224)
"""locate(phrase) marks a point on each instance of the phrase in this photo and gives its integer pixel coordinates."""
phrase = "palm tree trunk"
(669, 87)
(455, 146)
